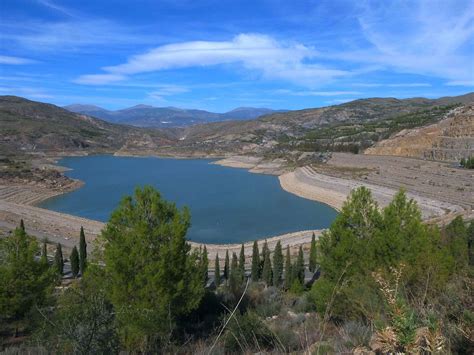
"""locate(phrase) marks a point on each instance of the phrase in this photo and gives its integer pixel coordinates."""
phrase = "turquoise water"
(227, 205)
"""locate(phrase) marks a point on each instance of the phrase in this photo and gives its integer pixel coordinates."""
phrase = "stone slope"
(450, 139)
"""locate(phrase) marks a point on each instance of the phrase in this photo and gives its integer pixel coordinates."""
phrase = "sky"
(219, 55)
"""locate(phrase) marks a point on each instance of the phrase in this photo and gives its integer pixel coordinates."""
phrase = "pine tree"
(74, 262)
(242, 260)
(226, 266)
(22, 225)
(204, 266)
(267, 268)
(313, 255)
(255, 262)
(82, 252)
(58, 259)
(217, 271)
(288, 271)
(277, 265)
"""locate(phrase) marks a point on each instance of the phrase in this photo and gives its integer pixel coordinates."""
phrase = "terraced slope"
(450, 139)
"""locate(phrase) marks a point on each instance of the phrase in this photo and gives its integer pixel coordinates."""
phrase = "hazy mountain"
(149, 116)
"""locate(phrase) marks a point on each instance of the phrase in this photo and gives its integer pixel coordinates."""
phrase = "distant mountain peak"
(139, 106)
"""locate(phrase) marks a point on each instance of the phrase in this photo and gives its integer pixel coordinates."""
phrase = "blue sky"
(218, 55)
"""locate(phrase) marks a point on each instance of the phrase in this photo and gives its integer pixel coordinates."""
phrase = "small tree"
(255, 262)
(313, 254)
(58, 259)
(217, 271)
(277, 264)
(267, 268)
(226, 266)
(82, 251)
(74, 262)
(288, 271)
(22, 225)
(242, 260)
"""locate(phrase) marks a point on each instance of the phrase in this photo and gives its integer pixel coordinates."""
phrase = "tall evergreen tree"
(22, 225)
(267, 268)
(204, 265)
(288, 271)
(277, 265)
(242, 260)
(226, 266)
(235, 279)
(313, 254)
(82, 252)
(217, 271)
(470, 243)
(255, 262)
(44, 253)
(299, 266)
(262, 257)
(58, 259)
(74, 262)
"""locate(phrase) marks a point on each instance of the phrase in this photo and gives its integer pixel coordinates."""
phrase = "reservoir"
(227, 205)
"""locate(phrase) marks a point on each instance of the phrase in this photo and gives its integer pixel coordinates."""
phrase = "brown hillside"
(449, 139)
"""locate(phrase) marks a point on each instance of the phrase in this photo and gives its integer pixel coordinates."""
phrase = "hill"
(29, 126)
(452, 138)
(149, 116)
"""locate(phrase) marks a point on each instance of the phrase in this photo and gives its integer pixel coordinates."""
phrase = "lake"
(227, 205)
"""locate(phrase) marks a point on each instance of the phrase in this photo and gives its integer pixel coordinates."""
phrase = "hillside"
(348, 127)
(452, 138)
(29, 126)
(149, 116)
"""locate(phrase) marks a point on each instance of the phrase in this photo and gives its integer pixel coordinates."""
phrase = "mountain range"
(35, 127)
(150, 116)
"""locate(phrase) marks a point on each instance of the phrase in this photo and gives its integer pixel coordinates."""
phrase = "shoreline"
(304, 182)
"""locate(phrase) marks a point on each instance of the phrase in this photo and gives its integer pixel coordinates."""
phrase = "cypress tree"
(22, 225)
(82, 252)
(74, 262)
(58, 259)
(44, 253)
(226, 266)
(313, 254)
(217, 271)
(242, 260)
(235, 279)
(204, 265)
(299, 266)
(277, 265)
(288, 271)
(255, 262)
(262, 257)
(267, 268)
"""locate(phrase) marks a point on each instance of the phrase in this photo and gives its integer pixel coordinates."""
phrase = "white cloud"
(167, 90)
(255, 52)
(99, 79)
(4, 59)
(425, 37)
(316, 93)
(460, 83)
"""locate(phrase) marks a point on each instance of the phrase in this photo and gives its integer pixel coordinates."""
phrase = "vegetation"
(467, 163)
(74, 258)
(82, 251)
(388, 283)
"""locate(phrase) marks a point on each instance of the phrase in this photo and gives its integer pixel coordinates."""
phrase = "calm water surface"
(227, 205)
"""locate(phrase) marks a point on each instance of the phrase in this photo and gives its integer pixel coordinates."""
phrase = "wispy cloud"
(399, 85)
(4, 59)
(30, 92)
(167, 90)
(316, 93)
(256, 52)
(61, 9)
(426, 37)
(460, 83)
